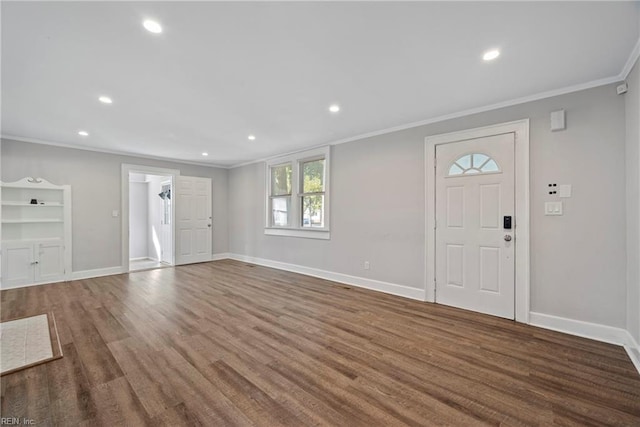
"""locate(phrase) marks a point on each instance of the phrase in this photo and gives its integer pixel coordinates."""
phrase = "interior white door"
(475, 251)
(193, 220)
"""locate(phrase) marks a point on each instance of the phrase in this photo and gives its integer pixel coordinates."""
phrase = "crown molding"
(106, 151)
(633, 58)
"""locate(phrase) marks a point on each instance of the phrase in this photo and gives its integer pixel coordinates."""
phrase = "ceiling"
(222, 71)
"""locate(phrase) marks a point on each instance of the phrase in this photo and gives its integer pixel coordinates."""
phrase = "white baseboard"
(594, 331)
(221, 255)
(5, 288)
(361, 282)
(98, 272)
(145, 258)
(633, 350)
(75, 275)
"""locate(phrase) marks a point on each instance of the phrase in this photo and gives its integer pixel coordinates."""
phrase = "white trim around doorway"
(124, 203)
(520, 129)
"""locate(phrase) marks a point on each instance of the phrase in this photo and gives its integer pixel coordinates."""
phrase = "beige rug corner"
(26, 342)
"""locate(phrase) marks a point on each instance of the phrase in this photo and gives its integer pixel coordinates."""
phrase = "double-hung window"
(298, 195)
(281, 195)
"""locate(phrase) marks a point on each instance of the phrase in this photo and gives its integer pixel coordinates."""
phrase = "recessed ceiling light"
(152, 26)
(491, 55)
(205, 154)
(252, 137)
(334, 108)
(83, 133)
(105, 100)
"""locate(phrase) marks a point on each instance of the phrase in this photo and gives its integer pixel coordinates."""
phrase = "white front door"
(475, 249)
(193, 220)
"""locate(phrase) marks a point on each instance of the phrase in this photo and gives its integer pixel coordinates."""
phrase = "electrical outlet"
(366, 265)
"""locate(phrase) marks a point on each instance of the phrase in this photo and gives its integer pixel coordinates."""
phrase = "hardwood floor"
(227, 343)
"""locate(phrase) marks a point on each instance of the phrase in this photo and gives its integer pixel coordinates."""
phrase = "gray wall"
(578, 261)
(632, 108)
(95, 189)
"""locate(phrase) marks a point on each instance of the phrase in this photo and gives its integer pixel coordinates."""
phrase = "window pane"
(455, 170)
(281, 180)
(471, 164)
(280, 209)
(464, 161)
(490, 166)
(313, 176)
(479, 159)
(313, 211)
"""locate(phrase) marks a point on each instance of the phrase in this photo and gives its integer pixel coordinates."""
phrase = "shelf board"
(28, 221)
(33, 240)
(8, 203)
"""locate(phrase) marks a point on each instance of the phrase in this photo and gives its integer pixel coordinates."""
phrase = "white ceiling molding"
(106, 151)
(633, 58)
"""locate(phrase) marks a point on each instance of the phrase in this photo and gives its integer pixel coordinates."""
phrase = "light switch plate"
(115, 214)
(564, 190)
(553, 208)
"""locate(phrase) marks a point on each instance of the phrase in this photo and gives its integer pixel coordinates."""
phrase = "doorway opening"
(150, 221)
(156, 225)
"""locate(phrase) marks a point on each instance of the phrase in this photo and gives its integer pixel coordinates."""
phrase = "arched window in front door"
(475, 163)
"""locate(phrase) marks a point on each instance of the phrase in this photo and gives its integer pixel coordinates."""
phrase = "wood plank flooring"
(227, 343)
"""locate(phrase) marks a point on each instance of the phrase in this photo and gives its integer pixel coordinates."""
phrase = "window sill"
(307, 234)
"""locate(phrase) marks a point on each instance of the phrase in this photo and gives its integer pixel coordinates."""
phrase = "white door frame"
(124, 202)
(520, 129)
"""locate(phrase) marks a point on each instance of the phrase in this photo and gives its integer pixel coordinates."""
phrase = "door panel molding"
(194, 219)
(521, 225)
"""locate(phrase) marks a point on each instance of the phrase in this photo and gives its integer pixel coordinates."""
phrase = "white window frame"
(295, 229)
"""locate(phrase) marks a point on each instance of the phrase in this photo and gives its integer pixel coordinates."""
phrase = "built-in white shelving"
(31, 205)
(30, 220)
(36, 232)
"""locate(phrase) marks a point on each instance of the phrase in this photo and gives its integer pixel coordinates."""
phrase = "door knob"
(208, 225)
(507, 238)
